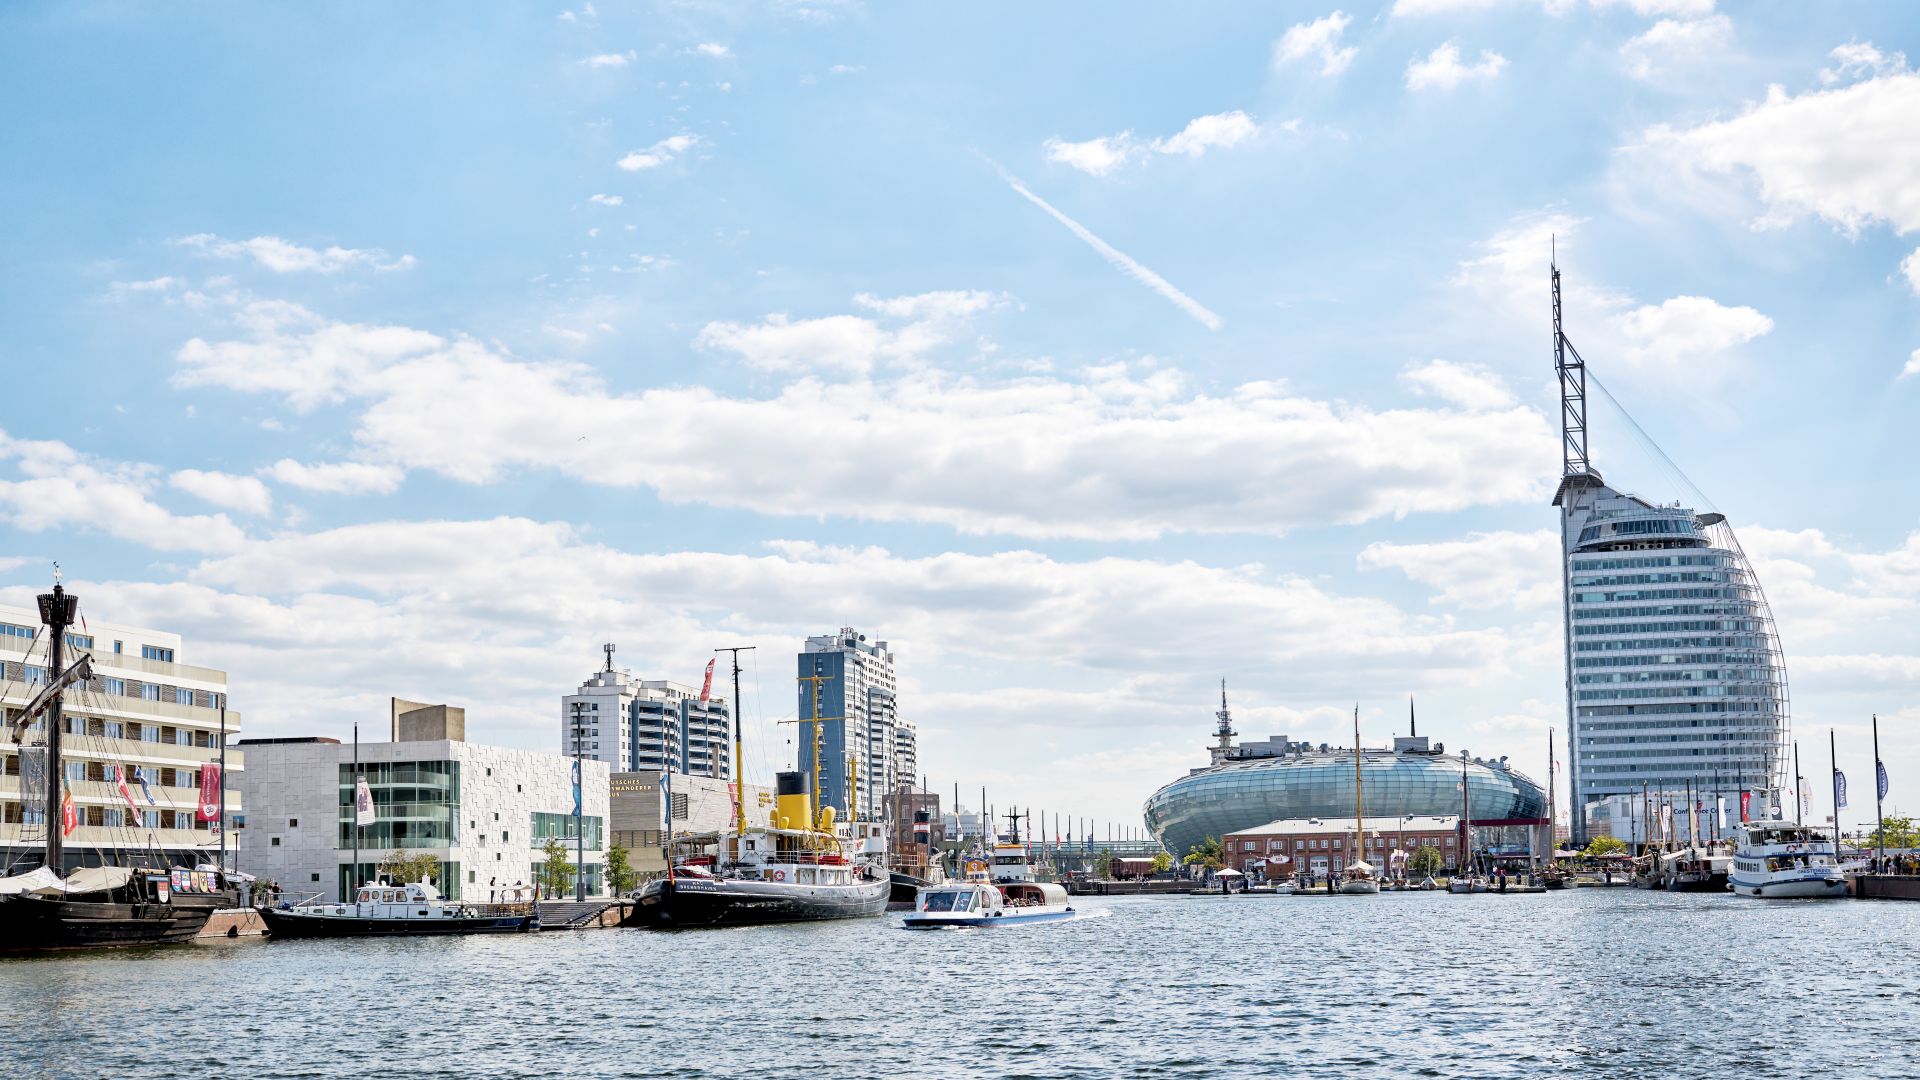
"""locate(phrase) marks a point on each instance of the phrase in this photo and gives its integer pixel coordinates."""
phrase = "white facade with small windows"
(485, 812)
(143, 710)
(646, 725)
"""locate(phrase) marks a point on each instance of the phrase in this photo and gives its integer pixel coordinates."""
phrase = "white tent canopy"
(1228, 872)
(33, 881)
(87, 879)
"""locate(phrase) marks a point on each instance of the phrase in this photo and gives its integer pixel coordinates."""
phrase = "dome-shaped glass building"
(1258, 783)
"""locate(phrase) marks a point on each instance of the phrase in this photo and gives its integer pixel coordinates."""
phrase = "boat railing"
(501, 908)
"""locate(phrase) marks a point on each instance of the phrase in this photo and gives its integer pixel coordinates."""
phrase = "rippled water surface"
(1604, 982)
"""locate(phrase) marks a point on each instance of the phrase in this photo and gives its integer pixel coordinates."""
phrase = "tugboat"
(768, 875)
(96, 906)
(383, 910)
(1009, 896)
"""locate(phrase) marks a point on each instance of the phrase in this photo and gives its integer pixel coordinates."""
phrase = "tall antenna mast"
(608, 649)
(1573, 393)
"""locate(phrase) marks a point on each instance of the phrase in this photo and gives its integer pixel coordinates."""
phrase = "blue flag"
(1881, 768)
(576, 787)
(1839, 790)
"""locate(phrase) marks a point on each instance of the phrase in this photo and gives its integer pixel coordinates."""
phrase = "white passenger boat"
(1467, 883)
(1780, 860)
(1001, 893)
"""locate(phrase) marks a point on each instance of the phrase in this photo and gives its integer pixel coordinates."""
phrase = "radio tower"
(1224, 733)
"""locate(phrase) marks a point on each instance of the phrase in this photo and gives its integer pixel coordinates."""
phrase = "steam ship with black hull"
(819, 870)
(806, 865)
(94, 907)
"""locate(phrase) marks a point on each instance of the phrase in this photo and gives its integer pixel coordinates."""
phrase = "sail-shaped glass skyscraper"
(1675, 679)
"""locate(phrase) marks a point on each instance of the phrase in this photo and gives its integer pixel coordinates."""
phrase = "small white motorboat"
(1010, 897)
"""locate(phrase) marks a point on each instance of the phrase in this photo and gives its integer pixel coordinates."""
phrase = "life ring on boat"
(779, 875)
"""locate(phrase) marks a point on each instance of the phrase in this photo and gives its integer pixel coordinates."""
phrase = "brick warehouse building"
(1291, 847)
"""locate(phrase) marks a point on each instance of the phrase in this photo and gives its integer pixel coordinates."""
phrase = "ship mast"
(739, 754)
(57, 610)
(1359, 807)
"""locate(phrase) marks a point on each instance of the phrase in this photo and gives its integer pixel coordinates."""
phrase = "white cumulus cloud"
(1674, 40)
(1109, 452)
(1845, 154)
(54, 487)
(1104, 154)
(1512, 570)
(286, 257)
(1097, 156)
(658, 154)
(1442, 69)
(338, 478)
(242, 493)
(1317, 40)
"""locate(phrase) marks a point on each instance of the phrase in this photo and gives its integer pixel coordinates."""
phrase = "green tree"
(405, 868)
(621, 876)
(1425, 861)
(1103, 866)
(1604, 845)
(1162, 862)
(1900, 833)
(1206, 854)
(556, 874)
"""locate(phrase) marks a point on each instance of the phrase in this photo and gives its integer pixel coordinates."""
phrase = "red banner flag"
(1745, 796)
(707, 686)
(120, 774)
(69, 817)
(209, 793)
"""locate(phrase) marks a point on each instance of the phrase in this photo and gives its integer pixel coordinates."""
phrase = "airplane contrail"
(1126, 263)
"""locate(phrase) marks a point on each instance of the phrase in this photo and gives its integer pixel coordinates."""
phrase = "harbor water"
(1608, 982)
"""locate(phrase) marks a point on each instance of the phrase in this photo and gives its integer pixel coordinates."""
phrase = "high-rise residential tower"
(648, 725)
(1675, 679)
(859, 720)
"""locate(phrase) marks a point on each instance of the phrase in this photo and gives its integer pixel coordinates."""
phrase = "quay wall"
(234, 922)
(1887, 887)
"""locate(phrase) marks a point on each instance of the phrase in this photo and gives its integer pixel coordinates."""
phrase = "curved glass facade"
(1244, 794)
(1675, 676)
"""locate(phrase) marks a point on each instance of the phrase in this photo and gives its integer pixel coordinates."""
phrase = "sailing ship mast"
(1553, 826)
(1359, 806)
(57, 610)
(1466, 820)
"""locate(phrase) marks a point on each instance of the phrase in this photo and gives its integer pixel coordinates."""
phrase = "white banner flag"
(362, 803)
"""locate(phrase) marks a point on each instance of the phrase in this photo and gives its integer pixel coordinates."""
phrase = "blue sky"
(1087, 354)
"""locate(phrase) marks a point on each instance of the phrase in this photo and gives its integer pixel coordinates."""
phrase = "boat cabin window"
(365, 897)
(949, 901)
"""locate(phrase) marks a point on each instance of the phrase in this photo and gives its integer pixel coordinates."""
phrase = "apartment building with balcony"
(144, 710)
